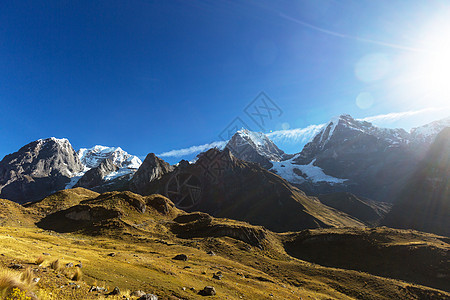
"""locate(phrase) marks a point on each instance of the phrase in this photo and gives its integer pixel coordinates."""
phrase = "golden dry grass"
(16, 285)
(146, 264)
(144, 246)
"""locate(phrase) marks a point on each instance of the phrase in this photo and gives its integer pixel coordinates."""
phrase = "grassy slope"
(147, 265)
(144, 247)
(61, 200)
(13, 214)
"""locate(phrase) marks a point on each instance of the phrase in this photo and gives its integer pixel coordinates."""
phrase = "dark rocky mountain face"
(375, 162)
(424, 203)
(38, 169)
(95, 177)
(254, 147)
(152, 168)
(224, 186)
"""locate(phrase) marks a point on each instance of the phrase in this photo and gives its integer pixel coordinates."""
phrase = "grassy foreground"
(131, 243)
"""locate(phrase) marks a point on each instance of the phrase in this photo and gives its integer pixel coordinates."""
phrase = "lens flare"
(364, 100)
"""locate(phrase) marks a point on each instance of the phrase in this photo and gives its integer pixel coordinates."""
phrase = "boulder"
(182, 257)
(208, 291)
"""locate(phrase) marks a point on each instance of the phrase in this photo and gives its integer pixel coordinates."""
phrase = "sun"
(428, 68)
(433, 66)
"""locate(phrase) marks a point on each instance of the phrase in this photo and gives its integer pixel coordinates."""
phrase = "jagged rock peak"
(346, 123)
(151, 169)
(216, 157)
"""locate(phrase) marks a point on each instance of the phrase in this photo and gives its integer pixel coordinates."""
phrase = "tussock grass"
(15, 285)
(40, 260)
(56, 265)
(77, 275)
(27, 277)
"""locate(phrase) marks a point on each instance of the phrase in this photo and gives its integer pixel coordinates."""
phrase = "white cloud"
(193, 149)
(393, 117)
(301, 135)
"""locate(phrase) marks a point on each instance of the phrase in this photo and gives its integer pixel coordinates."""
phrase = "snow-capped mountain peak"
(255, 147)
(428, 132)
(257, 138)
(328, 130)
(92, 157)
(56, 140)
(345, 123)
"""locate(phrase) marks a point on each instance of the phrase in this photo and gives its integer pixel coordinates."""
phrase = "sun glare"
(429, 67)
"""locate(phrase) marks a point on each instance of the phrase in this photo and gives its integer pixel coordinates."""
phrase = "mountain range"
(349, 174)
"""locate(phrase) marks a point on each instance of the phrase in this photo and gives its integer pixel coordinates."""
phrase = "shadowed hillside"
(425, 202)
(226, 187)
(403, 254)
(368, 211)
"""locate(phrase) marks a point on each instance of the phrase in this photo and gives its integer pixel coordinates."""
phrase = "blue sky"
(153, 76)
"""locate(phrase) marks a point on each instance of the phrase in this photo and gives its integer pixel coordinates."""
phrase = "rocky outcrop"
(161, 204)
(92, 215)
(95, 177)
(254, 147)
(38, 169)
(152, 168)
(196, 225)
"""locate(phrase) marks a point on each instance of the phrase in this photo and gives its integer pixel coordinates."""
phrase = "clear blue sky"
(152, 76)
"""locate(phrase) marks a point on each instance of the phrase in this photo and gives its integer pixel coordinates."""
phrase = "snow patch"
(60, 141)
(313, 173)
(118, 173)
(75, 178)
